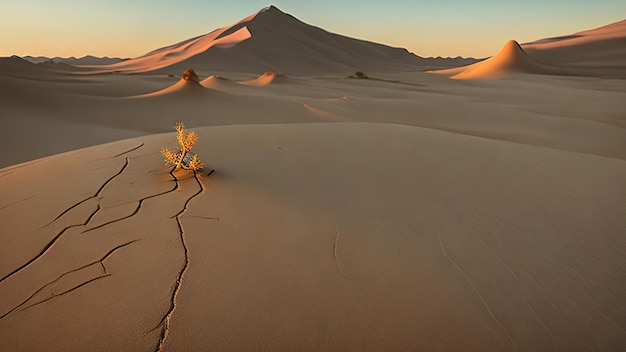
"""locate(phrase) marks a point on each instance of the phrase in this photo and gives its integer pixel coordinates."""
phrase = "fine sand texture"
(403, 212)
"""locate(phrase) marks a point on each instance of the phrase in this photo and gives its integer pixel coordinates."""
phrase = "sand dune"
(181, 87)
(268, 77)
(188, 84)
(217, 82)
(597, 52)
(379, 245)
(612, 31)
(511, 59)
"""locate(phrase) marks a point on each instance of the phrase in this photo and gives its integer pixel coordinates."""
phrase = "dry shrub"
(183, 158)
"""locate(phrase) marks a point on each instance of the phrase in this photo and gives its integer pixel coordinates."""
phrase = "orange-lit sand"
(510, 60)
(404, 212)
(170, 55)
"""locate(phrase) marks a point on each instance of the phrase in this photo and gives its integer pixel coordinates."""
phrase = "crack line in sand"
(16, 202)
(58, 236)
(96, 195)
(100, 261)
(478, 225)
(469, 281)
(139, 205)
(217, 219)
(337, 263)
(65, 292)
(130, 150)
(165, 321)
(50, 244)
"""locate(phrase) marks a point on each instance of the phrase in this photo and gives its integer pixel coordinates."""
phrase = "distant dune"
(602, 50)
(267, 78)
(597, 52)
(217, 82)
(510, 60)
(188, 84)
(183, 86)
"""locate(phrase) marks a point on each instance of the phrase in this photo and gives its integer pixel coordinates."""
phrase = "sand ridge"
(180, 52)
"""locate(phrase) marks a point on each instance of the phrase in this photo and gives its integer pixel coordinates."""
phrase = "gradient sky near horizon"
(129, 28)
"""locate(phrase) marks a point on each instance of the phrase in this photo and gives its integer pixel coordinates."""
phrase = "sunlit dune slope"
(180, 52)
(511, 59)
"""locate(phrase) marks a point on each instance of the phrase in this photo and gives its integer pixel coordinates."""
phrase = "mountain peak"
(271, 40)
(270, 8)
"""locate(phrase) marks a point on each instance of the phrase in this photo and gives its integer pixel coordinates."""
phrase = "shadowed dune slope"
(602, 49)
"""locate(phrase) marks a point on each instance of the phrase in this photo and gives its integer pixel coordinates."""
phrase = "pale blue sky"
(130, 28)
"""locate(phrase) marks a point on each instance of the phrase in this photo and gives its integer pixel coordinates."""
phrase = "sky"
(130, 28)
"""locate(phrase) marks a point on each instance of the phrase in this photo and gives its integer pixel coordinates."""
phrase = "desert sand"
(404, 212)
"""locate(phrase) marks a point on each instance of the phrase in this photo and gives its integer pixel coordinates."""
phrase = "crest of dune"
(176, 53)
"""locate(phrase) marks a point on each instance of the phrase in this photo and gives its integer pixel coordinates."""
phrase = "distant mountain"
(16, 66)
(274, 40)
(88, 60)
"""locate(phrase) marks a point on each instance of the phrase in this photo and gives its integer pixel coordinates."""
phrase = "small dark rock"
(190, 75)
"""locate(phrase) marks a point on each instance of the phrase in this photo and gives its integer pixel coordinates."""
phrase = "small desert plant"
(183, 158)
